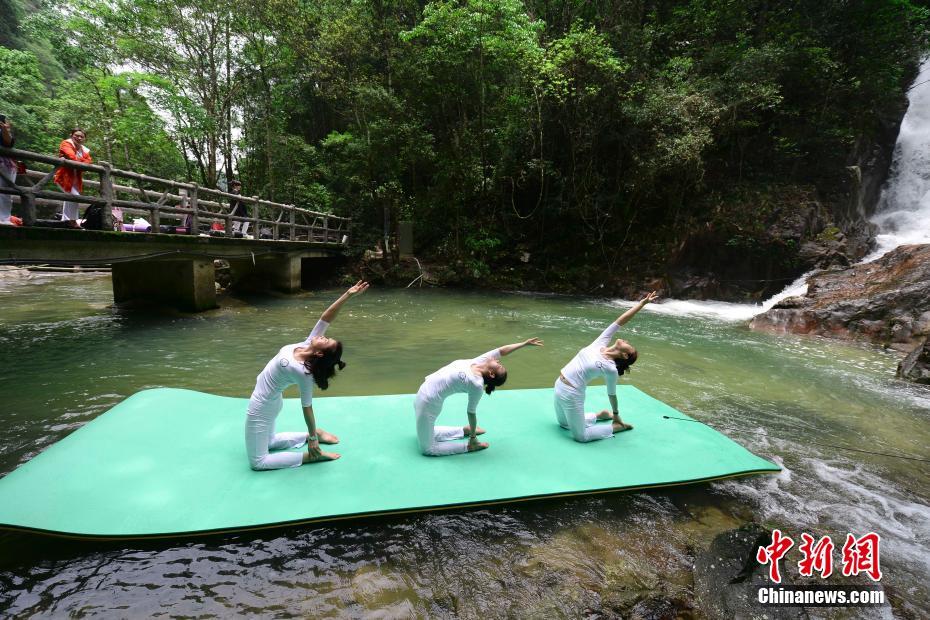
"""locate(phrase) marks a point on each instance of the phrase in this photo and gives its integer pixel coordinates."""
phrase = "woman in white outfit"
(598, 359)
(314, 360)
(473, 377)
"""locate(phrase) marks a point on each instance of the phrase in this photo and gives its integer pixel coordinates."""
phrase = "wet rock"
(727, 577)
(886, 301)
(222, 274)
(662, 608)
(868, 165)
(739, 259)
(699, 287)
(611, 574)
(383, 593)
(803, 221)
(916, 366)
(825, 254)
(8, 272)
(859, 238)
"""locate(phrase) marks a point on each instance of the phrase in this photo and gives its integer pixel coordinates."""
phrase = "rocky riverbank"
(885, 302)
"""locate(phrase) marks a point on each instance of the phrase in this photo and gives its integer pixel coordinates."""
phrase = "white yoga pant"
(260, 438)
(241, 227)
(436, 440)
(569, 411)
(6, 200)
(69, 210)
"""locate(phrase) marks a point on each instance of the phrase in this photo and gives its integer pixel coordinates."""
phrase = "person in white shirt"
(314, 360)
(8, 170)
(481, 374)
(598, 359)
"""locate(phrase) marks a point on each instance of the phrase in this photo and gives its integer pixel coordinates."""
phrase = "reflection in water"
(68, 357)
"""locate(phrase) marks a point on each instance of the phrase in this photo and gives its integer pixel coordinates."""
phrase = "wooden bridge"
(173, 263)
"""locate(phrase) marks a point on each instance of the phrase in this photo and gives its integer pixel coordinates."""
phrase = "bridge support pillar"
(186, 284)
(278, 273)
(283, 274)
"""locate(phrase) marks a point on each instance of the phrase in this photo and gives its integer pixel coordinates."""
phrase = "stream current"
(67, 356)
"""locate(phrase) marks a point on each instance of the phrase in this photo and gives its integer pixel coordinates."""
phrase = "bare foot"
(619, 427)
(325, 437)
(477, 445)
(604, 414)
(467, 430)
(324, 456)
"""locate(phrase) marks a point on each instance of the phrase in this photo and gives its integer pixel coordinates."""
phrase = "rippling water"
(67, 356)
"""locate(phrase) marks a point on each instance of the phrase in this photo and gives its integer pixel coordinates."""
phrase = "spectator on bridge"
(237, 207)
(7, 171)
(68, 179)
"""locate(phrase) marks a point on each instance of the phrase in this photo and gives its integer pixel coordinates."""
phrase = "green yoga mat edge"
(378, 514)
(76, 436)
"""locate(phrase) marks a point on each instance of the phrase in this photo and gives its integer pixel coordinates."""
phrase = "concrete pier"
(175, 270)
(187, 285)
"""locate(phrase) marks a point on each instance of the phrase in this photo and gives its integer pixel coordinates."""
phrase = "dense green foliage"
(571, 129)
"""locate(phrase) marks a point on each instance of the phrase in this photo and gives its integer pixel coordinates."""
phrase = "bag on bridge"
(93, 218)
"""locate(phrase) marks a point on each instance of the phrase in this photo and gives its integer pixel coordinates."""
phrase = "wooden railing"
(163, 200)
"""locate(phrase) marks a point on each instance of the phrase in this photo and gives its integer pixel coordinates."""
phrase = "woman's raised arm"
(507, 349)
(330, 314)
(629, 314)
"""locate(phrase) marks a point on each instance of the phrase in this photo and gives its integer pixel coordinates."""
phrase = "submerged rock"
(727, 577)
(886, 301)
(916, 366)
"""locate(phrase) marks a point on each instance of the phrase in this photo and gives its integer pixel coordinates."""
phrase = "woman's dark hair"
(324, 367)
(623, 365)
(491, 383)
(77, 129)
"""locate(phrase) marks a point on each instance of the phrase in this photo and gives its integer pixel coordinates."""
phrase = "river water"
(67, 356)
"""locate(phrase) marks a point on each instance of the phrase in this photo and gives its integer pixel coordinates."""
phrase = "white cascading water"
(902, 214)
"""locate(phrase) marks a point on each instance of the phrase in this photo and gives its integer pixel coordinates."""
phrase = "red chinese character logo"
(860, 555)
(774, 552)
(817, 557)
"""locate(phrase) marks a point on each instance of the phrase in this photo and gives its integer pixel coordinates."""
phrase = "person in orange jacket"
(69, 179)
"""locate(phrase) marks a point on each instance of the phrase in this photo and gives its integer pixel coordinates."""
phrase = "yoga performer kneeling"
(312, 361)
(484, 373)
(600, 358)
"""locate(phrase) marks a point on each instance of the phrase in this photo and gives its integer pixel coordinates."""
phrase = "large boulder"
(916, 366)
(727, 577)
(886, 301)
(755, 243)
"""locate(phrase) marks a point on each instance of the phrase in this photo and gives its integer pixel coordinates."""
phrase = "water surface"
(68, 356)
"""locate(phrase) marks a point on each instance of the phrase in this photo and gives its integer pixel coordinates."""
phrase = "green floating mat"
(170, 462)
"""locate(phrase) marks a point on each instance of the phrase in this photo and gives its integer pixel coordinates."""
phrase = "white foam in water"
(902, 215)
(901, 522)
(720, 310)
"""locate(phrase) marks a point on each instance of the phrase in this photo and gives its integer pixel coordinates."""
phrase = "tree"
(190, 47)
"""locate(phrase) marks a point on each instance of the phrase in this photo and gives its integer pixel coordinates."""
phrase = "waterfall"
(902, 214)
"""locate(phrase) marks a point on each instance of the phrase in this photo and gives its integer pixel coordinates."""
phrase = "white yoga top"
(456, 377)
(284, 371)
(589, 364)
